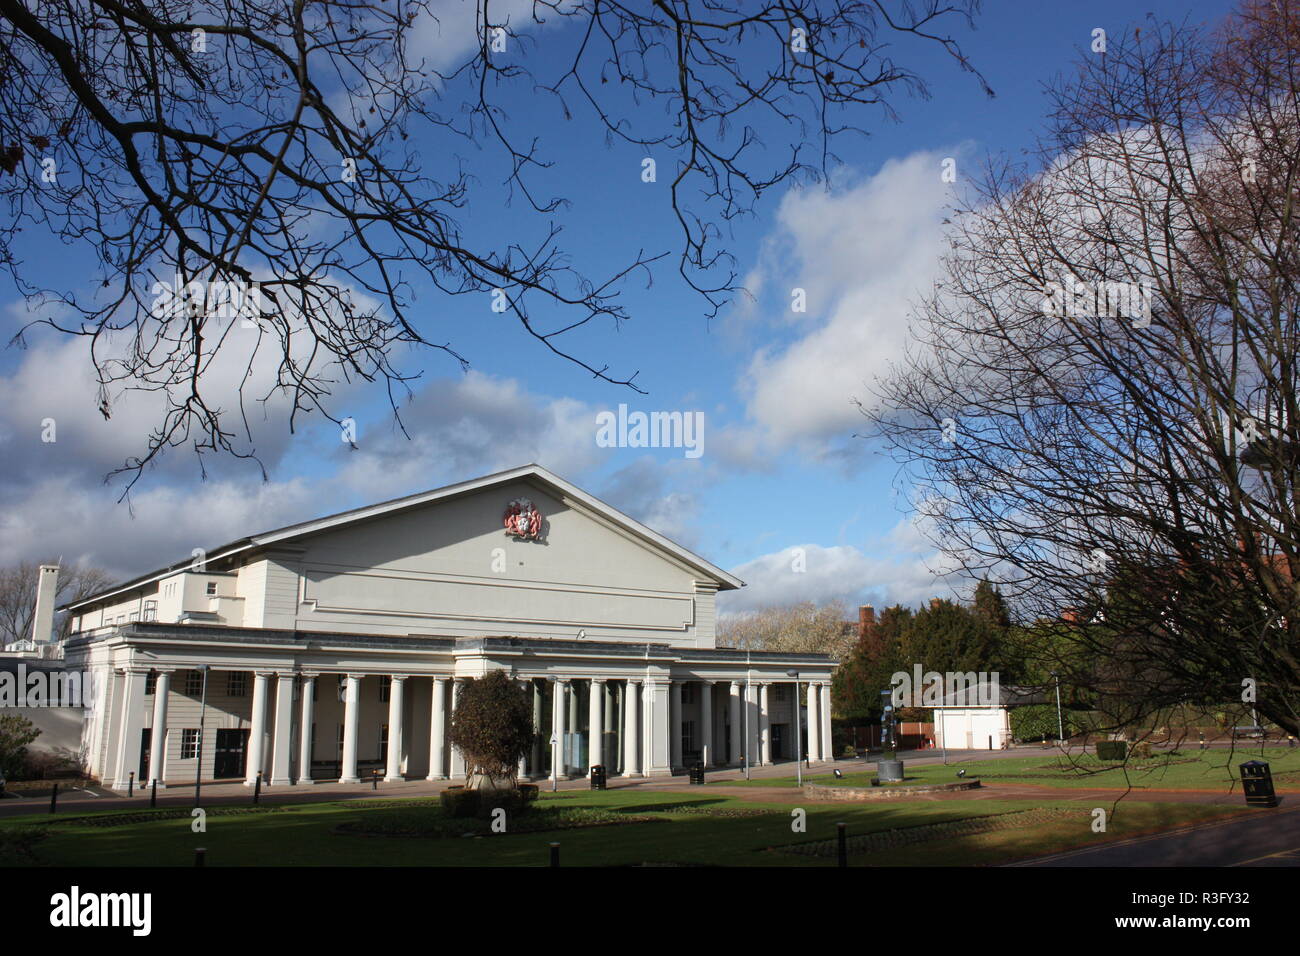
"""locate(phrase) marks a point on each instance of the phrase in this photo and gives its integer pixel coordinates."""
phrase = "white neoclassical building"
(336, 648)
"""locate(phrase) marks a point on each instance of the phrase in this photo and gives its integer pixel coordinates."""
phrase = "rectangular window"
(134, 616)
(121, 619)
(150, 683)
(189, 743)
(150, 611)
(688, 736)
(385, 688)
(212, 589)
(194, 683)
(688, 692)
(383, 741)
(237, 684)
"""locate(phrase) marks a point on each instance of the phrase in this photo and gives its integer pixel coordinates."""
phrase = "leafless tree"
(1100, 406)
(18, 595)
(804, 628)
(289, 171)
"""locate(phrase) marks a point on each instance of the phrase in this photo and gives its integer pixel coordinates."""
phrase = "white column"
(158, 736)
(393, 770)
(706, 723)
(282, 731)
(131, 729)
(558, 687)
(351, 718)
(608, 744)
(595, 725)
(675, 724)
(658, 753)
(457, 758)
(814, 722)
(764, 725)
(828, 743)
(735, 723)
(257, 729)
(304, 733)
(632, 733)
(538, 743)
(438, 730)
(751, 723)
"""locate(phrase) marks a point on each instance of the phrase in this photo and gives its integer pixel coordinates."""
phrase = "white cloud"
(910, 573)
(864, 255)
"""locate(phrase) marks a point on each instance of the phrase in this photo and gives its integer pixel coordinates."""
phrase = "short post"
(1202, 736)
(153, 793)
(130, 784)
(54, 797)
(374, 780)
(555, 854)
(257, 788)
(841, 835)
(199, 854)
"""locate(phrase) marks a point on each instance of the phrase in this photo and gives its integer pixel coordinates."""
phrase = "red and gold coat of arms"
(523, 520)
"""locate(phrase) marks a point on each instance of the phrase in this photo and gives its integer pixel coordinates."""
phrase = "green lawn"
(1186, 770)
(699, 828)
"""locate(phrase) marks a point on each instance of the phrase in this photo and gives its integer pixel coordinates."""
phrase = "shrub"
(15, 734)
(1112, 749)
(1034, 721)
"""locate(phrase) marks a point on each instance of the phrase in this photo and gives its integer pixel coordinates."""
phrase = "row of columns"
(645, 724)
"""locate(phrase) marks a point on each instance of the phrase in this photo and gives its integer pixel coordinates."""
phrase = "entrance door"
(232, 745)
(778, 741)
(146, 744)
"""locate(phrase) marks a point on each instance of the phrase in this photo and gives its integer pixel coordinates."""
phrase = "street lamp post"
(198, 755)
(798, 729)
(1060, 723)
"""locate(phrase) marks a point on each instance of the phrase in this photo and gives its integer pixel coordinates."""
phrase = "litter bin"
(598, 777)
(1257, 781)
(889, 770)
(697, 773)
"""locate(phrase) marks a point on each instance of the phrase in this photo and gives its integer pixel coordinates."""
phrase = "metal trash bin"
(598, 777)
(697, 773)
(889, 770)
(1257, 782)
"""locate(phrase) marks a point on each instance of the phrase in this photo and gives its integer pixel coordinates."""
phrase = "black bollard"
(257, 788)
(200, 853)
(841, 836)
(54, 797)
(555, 854)
(130, 784)
(374, 780)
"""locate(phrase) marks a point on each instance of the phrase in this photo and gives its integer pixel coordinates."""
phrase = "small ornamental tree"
(492, 726)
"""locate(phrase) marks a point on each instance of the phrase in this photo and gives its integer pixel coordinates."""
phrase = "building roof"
(293, 532)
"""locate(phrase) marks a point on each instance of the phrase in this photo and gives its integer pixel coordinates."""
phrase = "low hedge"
(1112, 749)
(460, 802)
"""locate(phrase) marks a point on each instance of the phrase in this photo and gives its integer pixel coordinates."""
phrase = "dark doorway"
(778, 742)
(146, 744)
(232, 745)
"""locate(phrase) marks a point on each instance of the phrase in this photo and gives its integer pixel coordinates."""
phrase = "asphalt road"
(1264, 838)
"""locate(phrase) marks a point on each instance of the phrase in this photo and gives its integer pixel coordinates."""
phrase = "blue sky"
(781, 467)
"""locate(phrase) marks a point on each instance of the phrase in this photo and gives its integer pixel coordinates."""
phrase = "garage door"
(985, 725)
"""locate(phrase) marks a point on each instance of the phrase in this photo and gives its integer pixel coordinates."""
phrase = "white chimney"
(47, 586)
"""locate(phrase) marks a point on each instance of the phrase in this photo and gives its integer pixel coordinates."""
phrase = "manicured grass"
(703, 829)
(1185, 770)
